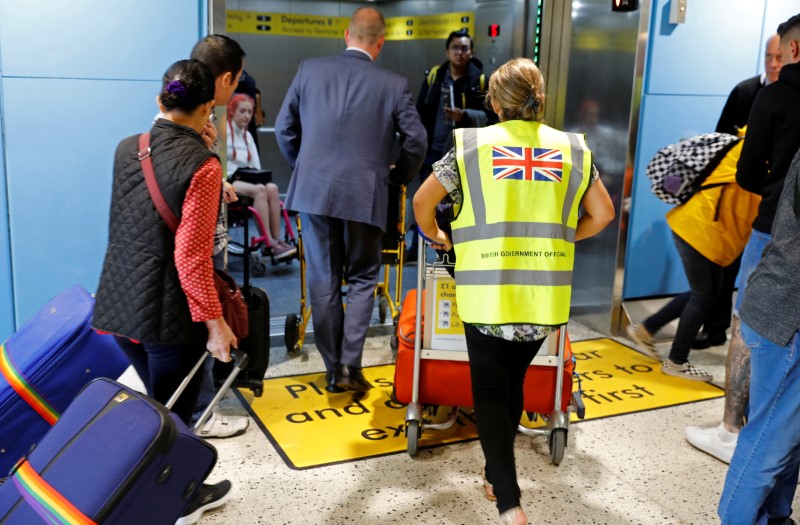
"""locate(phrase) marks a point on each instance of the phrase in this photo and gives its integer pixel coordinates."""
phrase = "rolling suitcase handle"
(239, 363)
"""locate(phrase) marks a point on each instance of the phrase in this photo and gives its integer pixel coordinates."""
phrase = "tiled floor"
(633, 469)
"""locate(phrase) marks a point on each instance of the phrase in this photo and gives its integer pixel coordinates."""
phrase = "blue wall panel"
(652, 265)
(96, 38)
(717, 47)
(6, 291)
(59, 189)
(77, 77)
(691, 68)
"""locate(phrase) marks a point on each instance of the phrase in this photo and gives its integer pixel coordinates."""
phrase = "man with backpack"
(452, 96)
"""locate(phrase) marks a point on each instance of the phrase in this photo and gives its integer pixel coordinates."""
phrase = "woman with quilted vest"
(156, 291)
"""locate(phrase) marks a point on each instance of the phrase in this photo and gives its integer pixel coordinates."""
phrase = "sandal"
(489, 490)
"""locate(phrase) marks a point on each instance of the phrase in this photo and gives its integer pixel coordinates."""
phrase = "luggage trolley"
(392, 255)
(555, 370)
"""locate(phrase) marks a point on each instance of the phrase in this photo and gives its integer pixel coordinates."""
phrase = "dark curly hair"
(186, 85)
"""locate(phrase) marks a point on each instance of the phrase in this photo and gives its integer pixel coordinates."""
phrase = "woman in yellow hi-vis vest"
(516, 188)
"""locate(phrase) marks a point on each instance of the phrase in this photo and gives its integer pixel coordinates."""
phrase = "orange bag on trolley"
(444, 382)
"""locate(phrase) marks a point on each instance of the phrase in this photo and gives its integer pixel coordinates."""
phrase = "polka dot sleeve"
(194, 241)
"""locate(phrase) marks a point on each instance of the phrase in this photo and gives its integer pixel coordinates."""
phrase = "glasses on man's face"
(460, 49)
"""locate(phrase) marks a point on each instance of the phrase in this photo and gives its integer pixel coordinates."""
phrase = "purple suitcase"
(58, 353)
(119, 457)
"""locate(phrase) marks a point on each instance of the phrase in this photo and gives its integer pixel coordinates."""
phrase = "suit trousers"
(337, 250)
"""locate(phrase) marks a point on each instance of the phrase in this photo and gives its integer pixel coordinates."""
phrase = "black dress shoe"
(351, 378)
(331, 387)
(705, 340)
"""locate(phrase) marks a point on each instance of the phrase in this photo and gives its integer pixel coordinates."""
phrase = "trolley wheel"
(383, 308)
(291, 332)
(394, 345)
(258, 392)
(558, 442)
(412, 434)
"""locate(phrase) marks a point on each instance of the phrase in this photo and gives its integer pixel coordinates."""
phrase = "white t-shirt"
(243, 145)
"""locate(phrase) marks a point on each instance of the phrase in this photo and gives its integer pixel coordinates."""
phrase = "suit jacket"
(337, 128)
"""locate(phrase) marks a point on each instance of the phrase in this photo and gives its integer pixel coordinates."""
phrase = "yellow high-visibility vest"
(514, 234)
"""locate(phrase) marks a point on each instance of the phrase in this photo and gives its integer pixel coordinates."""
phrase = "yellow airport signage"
(431, 27)
(310, 427)
(315, 26)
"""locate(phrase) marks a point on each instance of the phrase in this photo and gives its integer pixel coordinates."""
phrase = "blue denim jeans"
(763, 474)
(752, 254)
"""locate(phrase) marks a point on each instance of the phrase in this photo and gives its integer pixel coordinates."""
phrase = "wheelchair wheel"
(291, 332)
(235, 248)
(257, 266)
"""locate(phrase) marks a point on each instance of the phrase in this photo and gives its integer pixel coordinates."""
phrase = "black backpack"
(677, 171)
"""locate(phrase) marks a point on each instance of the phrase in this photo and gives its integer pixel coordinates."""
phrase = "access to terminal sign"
(314, 26)
(310, 427)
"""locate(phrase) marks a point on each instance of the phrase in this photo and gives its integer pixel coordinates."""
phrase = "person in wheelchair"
(242, 153)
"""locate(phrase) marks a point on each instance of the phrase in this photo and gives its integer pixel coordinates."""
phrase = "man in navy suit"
(337, 127)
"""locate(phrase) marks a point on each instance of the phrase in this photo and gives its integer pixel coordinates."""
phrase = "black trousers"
(498, 370)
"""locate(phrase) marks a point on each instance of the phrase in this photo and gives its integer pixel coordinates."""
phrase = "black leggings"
(498, 370)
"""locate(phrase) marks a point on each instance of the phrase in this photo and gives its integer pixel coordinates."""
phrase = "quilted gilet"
(139, 295)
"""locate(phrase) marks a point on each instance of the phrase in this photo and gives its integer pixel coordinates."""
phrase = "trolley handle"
(240, 361)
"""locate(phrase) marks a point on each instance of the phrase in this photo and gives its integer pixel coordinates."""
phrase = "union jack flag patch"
(519, 163)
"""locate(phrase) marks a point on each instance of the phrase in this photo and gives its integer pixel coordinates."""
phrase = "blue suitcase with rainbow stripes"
(115, 457)
(45, 364)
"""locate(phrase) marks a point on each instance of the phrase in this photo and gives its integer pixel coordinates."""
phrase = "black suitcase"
(256, 344)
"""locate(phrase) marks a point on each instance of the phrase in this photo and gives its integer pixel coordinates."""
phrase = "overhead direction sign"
(315, 26)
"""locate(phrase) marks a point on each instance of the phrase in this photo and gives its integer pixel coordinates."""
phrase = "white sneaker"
(219, 426)
(715, 441)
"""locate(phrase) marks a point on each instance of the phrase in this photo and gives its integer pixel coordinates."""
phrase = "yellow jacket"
(716, 221)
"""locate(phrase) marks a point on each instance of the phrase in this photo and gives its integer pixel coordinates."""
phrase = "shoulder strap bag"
(234, 308)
